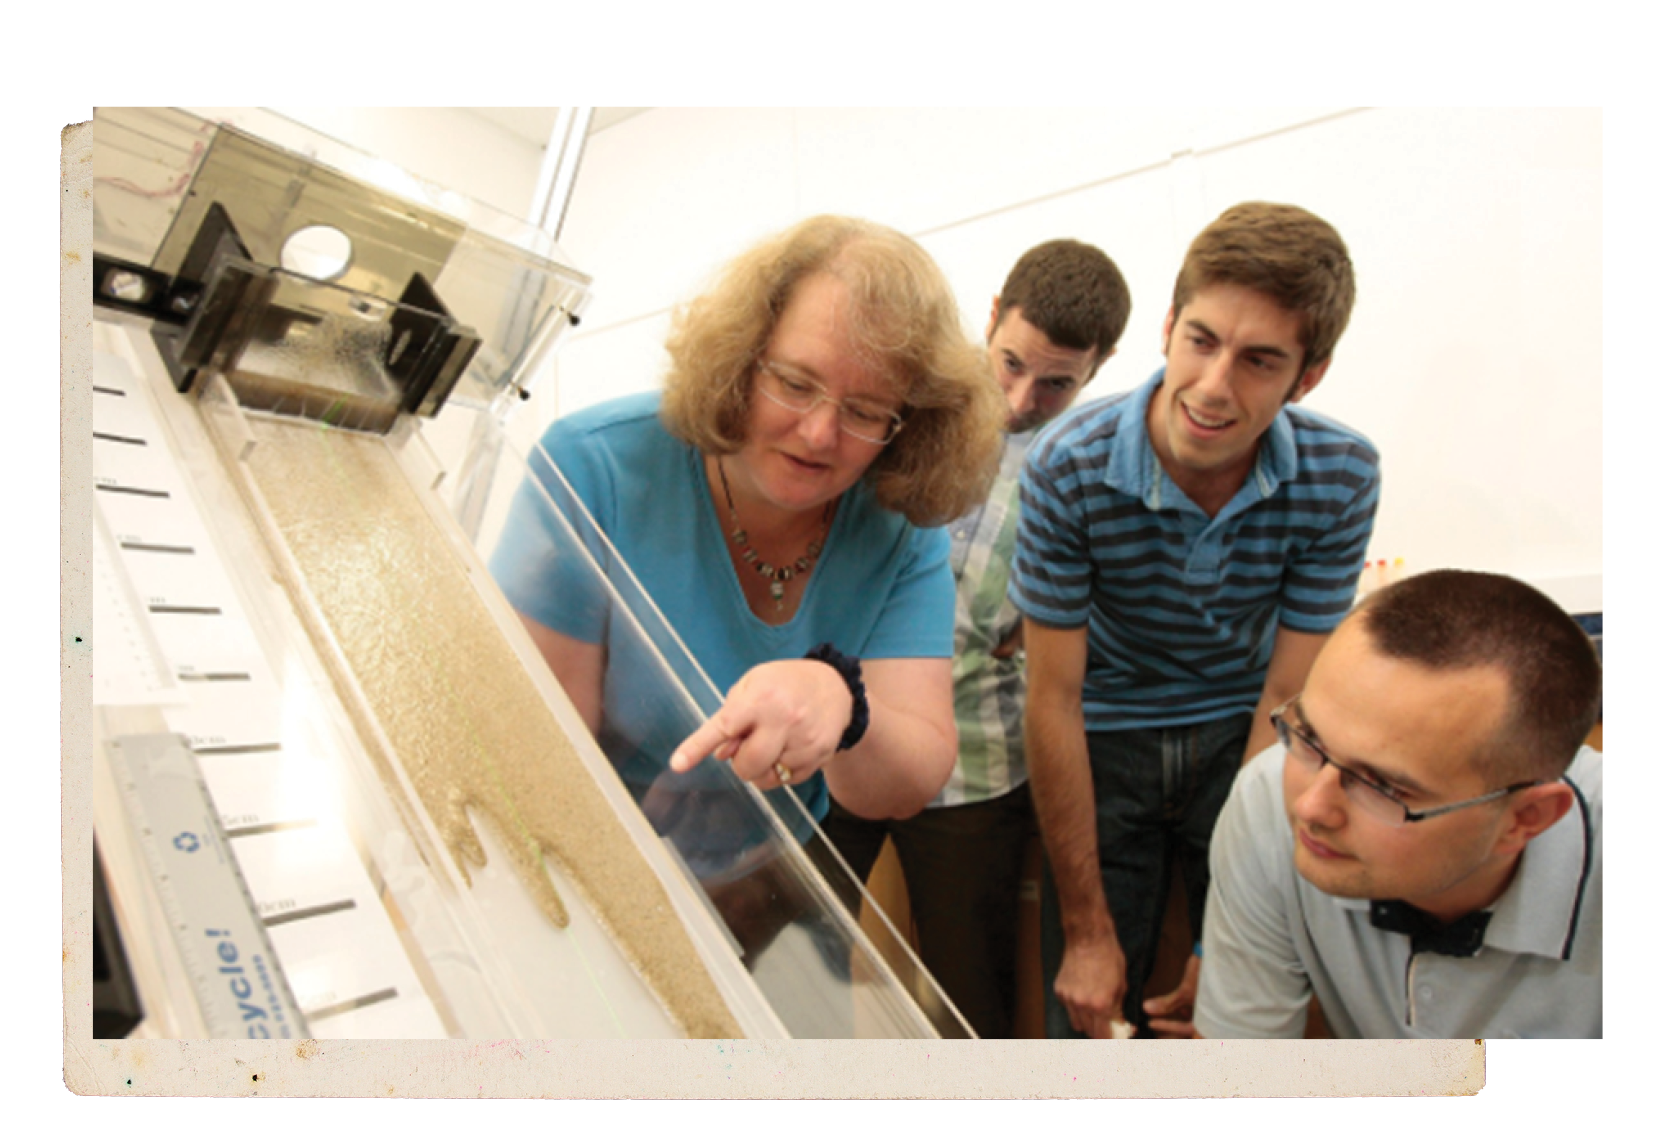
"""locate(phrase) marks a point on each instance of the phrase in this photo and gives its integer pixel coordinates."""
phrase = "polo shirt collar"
(1133, 466)
(1536, 914)
(1276, 461)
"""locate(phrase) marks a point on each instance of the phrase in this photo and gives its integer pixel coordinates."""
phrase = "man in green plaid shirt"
(1057, 319)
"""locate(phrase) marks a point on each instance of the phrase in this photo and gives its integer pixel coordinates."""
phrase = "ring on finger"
(783, 773)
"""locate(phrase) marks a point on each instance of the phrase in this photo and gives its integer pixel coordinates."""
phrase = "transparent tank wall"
(757, 857)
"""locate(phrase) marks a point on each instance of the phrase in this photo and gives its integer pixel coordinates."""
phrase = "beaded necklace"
(777, 576)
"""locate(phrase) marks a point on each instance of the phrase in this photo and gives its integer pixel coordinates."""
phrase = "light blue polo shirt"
(1181, 608)
(1271, 939)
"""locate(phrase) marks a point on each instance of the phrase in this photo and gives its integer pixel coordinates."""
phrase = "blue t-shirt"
(881, 588)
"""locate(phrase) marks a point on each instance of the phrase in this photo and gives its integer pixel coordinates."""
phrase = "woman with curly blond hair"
(779, 503)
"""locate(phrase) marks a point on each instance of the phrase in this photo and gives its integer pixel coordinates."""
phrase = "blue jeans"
(1157, 793)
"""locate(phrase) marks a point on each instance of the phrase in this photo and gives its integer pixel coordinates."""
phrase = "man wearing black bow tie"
(1422, 850)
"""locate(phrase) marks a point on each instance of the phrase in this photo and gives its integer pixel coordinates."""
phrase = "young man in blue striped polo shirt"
(1183, 551)
(1057, 319)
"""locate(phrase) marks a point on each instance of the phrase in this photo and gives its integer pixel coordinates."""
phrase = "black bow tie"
(1461, 938)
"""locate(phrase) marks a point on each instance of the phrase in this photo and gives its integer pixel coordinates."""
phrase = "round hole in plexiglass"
(319, 252)
(126, 286)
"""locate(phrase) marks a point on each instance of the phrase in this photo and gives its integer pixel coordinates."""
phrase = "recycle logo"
(187, 842)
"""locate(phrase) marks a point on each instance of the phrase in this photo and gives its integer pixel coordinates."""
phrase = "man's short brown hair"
(1072, 292)
(1292, 256)
(1453, 619)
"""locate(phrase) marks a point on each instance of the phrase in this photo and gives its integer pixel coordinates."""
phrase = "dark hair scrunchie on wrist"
(851, 670)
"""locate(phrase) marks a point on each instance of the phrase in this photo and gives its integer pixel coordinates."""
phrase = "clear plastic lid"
(317, 207)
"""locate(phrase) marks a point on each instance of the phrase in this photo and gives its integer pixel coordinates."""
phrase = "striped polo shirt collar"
(1133, 467)
(1276, 461)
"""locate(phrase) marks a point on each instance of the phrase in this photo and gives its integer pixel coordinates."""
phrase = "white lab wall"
(1473, 359)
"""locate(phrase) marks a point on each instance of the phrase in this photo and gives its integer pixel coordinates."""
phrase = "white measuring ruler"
(239, 986)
